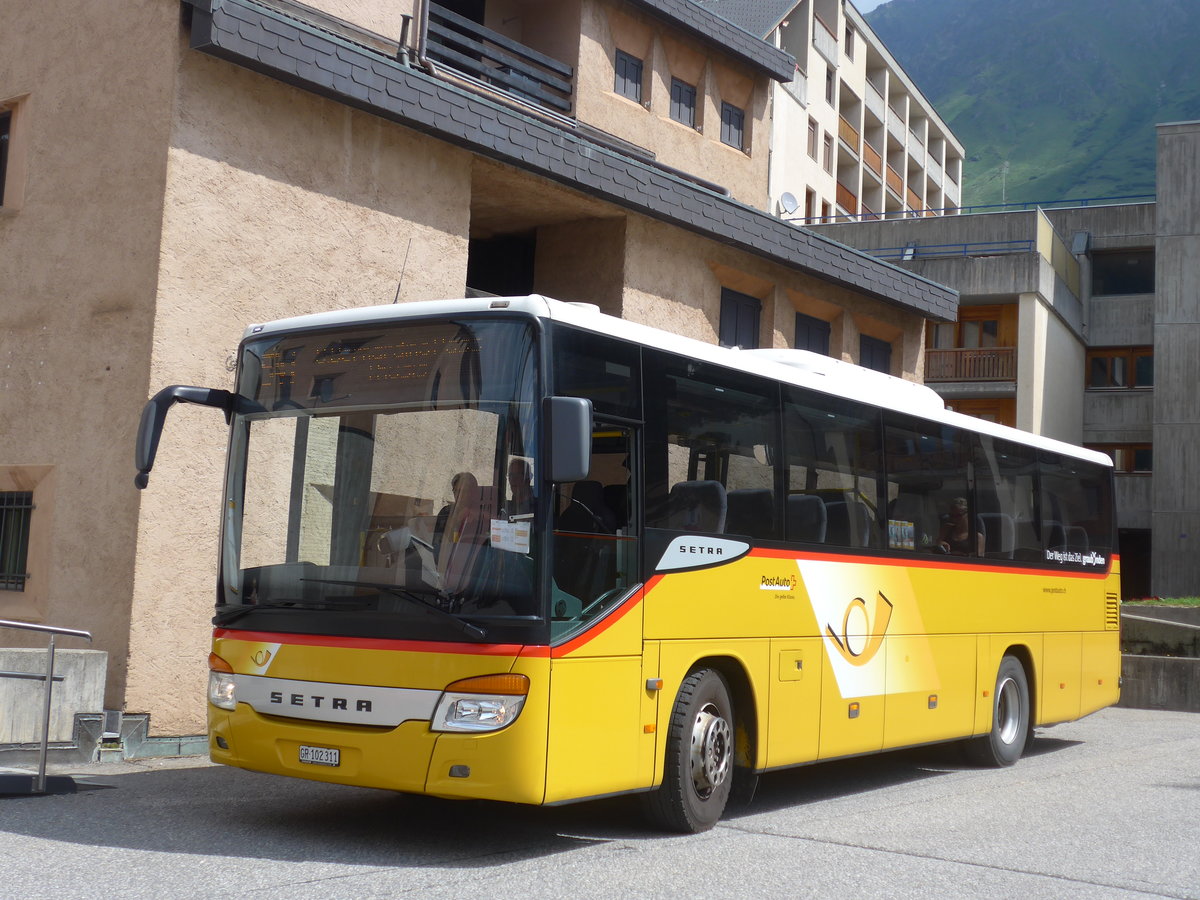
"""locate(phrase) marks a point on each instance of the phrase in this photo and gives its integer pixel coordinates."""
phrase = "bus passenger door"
(599, 703)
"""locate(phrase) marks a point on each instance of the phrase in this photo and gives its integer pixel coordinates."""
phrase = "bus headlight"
(486, 703)
(221, 688)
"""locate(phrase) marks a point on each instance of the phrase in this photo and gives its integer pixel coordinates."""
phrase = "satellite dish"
(788, 202)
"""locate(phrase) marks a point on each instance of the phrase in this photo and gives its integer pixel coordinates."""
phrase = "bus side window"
(930, 508)
(832, 470)
(712, 450)
(1005, 476)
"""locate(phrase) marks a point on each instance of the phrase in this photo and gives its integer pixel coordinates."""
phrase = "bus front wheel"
(1005, 743)
(699, 762)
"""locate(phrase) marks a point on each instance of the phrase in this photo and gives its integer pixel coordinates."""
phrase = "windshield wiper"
(231, 615)
(415, 599)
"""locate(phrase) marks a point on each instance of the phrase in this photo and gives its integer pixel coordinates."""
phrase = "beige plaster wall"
(604, 28)
(1050, 367)
(78, 262)
(277, 203)
(673, 280)
(383, 17)
(582, 261)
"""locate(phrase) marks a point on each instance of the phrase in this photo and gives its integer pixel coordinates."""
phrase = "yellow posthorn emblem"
(862, 629)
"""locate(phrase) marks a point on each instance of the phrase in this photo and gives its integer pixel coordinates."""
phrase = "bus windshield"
(381, 483)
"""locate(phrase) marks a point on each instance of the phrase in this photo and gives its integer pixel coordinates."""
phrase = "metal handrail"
(1121, 200)
(927, 251)
(39, 784)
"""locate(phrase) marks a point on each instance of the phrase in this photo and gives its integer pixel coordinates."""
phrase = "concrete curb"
(1160, 682)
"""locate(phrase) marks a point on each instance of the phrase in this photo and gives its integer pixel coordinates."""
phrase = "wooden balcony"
(872, 158)
(971, 364)
(846, 198)
(913, 198)
(498, 61)
(895, 181)
(848, 133)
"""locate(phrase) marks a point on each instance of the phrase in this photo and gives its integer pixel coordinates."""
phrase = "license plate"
(320, 756)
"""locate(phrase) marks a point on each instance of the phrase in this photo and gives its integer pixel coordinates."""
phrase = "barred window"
(16, 509)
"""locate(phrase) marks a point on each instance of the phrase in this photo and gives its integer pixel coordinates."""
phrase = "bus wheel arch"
(709, 737)
(1011, 728)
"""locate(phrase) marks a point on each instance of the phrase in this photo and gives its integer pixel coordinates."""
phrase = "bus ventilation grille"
(1112, 612)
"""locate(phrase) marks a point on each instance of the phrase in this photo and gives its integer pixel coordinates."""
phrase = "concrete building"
(851, 134)
(1083, 323)
(175, 170)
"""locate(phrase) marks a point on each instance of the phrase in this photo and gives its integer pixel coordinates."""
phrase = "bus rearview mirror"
(569, 426)
(154, 414)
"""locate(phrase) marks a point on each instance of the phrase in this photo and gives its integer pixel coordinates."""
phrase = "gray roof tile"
(712, 29)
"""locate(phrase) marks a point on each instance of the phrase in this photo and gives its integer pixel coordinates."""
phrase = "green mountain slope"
(1066, 91)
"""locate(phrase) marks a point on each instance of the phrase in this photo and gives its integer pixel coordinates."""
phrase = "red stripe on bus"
(361, 643)
(767, 553)
(606, 623)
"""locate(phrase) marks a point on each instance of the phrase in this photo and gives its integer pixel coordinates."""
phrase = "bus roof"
(798, 367)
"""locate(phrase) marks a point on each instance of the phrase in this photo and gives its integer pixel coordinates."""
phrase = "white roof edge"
(798, 367)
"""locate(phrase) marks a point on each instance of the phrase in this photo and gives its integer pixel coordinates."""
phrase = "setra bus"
(516, 549)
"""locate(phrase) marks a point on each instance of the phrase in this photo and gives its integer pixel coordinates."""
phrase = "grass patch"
(1165, 601)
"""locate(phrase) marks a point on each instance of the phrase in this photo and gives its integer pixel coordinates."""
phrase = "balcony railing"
(825, 41)
(848, 133)
(971, 364)
(497, 60)
(847, 199)
(914, 199)
(895, 181)
(875, 102)
(872, 158)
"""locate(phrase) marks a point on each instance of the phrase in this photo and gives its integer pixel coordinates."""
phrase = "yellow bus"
(519, 550)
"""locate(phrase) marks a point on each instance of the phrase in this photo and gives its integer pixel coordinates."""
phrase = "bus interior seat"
(1077, 538)
(750, 511)
(1054, 536)
(1000, 534)
(849, 524)
(698, 506)
(806, 518)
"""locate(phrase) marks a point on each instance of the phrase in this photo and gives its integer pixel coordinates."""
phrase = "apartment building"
(851, 133)
(173, 171)
(1082, 323)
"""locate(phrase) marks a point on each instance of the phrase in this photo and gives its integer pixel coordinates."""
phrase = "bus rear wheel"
(1011, 718)
(700, 757)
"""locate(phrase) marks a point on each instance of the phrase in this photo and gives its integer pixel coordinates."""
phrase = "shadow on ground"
(233, 813)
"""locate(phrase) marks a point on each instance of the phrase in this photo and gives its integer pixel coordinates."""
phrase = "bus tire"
(698, 771)
(1011, 727)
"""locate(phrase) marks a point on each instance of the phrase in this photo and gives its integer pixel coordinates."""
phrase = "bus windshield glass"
(381, 483)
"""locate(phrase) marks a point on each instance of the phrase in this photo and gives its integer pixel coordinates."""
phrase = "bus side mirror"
(569, 427)
(154, 414)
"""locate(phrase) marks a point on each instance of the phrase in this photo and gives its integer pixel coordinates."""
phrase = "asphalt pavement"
(1107, 807)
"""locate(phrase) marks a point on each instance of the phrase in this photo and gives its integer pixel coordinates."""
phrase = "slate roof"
(759, 17)
(729, 34)
(291, 50)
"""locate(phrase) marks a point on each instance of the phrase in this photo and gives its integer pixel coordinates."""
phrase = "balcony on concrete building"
(874, 100)
(498, 61)
(848, 134)
(872, 159)
(971, 364)
(825, 39)
(847, 199)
